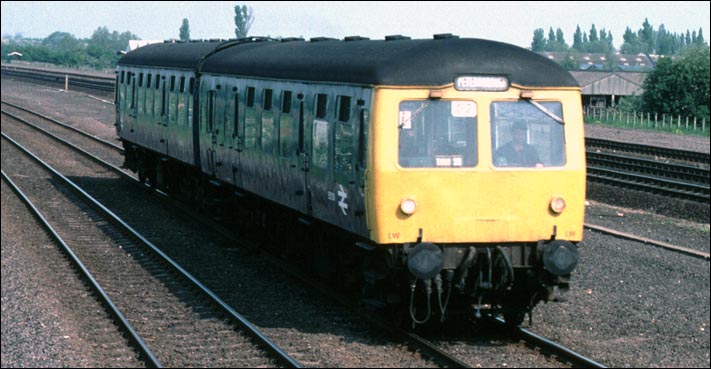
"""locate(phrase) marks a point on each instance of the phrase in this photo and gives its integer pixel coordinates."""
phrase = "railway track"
(166, 311)
(655, 151)
(58, 77)
(418, 343)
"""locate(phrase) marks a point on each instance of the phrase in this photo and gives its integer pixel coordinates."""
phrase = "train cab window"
(527, 134)
(437, 134)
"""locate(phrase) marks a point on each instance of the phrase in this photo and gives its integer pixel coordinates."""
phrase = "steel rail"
(113, 310)
(249, 328)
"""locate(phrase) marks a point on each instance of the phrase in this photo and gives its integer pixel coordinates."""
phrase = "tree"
(185, 30)
(61, 41)
(539, 42)
(632, 44)
(578, 40)
(680, 86)
(243, 20)
(646, 36)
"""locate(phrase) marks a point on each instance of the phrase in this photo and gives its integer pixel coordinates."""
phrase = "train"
(440, 179)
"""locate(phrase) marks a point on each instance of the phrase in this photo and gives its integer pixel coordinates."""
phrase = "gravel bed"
(49, 317)
(630, 305)
(642, 137)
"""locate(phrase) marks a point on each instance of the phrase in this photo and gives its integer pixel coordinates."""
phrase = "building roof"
(610, 83)
(398, 61)
(599, 61)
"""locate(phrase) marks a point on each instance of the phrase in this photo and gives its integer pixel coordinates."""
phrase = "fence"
(645, 120)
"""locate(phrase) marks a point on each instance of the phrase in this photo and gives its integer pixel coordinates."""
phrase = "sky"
(511, 22)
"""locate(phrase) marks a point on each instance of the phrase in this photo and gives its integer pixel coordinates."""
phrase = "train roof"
(181, 55)
(361, 61)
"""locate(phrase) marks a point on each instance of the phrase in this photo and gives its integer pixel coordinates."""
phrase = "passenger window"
(210, 110)
(157, 98)
(250, 97)
(437, 133)
(267, 99)
(286, 102)
(189, 102)
(363, 138)
(268, 124)
(527, 134)
(343, 148)
(321, 105)
(251, 127)
(231, 113)
(344, 108)
(320, 144)
(288, 142)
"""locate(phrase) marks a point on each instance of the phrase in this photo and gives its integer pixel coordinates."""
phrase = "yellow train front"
(478, 188)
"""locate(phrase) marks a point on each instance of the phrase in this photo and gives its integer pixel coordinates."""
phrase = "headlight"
(557, 205)
(408, 206)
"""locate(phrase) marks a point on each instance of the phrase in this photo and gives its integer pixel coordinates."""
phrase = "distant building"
(602, 89)
(605, 79)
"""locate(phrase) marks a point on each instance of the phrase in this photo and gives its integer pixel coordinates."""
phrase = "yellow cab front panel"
(471, 193)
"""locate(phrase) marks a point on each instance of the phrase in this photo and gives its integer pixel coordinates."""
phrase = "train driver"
(517, 153)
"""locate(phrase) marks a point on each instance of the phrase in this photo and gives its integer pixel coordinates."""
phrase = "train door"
(121, 103)
(289, 160)
(348, 179)
(129, 118)
(219, 134)
(161, 127)
(360, 224)
(209, 120)
(232, 136)
(336, 171)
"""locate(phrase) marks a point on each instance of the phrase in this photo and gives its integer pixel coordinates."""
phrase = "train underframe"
(415, 283)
